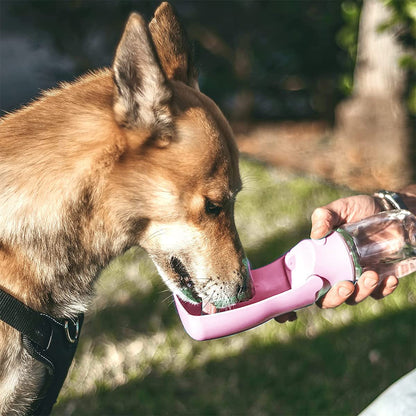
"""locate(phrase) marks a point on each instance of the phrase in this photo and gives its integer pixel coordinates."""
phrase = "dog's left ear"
(172, 46)
(142, 96)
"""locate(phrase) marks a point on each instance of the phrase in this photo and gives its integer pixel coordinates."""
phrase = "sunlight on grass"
(272, 201)
(135, 358)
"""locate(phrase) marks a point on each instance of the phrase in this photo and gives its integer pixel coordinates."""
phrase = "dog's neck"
(59, 278)
(55, 234)
(55, 274)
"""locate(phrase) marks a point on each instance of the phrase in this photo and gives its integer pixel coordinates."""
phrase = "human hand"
(324, 220)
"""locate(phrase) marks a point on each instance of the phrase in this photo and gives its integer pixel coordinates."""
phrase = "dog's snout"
(244, 288)
(246, 292)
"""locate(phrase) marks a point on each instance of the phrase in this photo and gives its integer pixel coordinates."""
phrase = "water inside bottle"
(386, 243)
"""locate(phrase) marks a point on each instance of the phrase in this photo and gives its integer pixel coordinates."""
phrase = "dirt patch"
(313, 147)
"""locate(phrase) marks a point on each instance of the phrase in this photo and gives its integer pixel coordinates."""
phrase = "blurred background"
(322, 99)
(283, 72)
(260, 60)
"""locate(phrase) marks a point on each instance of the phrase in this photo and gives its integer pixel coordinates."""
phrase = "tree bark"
(371, 132)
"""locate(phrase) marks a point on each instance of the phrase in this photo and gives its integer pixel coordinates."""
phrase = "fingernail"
(370, 282)
(392, 286)
(317, 232)
(344, 292)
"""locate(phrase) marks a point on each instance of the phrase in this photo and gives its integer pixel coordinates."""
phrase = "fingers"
(327, 218)
(337, 295)
(367, 285)
(349, 293)
(341, 211)
(364, 287)
(386, 287)
(323, 221)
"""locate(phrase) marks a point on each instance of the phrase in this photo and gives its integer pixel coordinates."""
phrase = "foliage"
(403, 19)
(257, 59)
(403, 22)
(347, 38)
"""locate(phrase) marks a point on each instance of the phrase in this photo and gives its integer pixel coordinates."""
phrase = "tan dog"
(133, 155)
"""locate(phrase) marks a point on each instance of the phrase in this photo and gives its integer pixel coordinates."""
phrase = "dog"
(129, 156)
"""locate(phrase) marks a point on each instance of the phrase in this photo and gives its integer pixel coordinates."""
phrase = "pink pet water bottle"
(385, 243)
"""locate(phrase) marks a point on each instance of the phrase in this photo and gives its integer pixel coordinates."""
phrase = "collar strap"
(51, 341)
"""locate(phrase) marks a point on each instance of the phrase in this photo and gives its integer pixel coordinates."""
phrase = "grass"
(135, 358)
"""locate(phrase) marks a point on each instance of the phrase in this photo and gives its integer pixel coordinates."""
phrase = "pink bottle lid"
(291, 282)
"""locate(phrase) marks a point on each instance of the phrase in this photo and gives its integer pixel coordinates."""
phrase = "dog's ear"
(142, 95)
(172, 46)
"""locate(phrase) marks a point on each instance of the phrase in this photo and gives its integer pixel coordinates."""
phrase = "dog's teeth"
(209, 308)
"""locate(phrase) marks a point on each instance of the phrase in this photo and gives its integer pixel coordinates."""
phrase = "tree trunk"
(371, 132)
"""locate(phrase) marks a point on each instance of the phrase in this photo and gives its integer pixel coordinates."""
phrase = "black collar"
(51, 341)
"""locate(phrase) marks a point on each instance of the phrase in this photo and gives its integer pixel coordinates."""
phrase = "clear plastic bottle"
(385, 243)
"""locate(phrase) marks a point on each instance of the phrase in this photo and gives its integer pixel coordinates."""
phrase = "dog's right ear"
(141, 97)
(172, 46)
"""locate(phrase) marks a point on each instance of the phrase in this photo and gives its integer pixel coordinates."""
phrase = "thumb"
(323, 221)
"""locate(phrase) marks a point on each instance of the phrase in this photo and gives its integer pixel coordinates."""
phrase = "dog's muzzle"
(243, 289)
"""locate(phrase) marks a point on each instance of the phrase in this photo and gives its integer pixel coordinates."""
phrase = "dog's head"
(181, 164)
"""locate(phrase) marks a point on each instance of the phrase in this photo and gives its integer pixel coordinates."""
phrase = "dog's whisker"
(250, 182)
(155, 234)
(168, 299)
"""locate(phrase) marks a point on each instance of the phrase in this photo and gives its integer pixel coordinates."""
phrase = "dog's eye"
(211, 208)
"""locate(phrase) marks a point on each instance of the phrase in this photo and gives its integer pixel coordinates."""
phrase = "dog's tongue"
(208, 308)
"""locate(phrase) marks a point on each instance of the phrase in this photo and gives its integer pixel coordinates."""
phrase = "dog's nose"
(245, 288)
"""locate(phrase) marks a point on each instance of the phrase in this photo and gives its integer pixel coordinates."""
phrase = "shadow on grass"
(118, 322)
(337, 373)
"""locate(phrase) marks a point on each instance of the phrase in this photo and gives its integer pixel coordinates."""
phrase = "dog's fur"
(135, 155)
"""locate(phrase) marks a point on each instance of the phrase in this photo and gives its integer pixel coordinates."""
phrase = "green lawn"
(135, 358)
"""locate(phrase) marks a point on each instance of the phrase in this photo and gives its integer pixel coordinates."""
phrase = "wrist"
(410, 201)
(409, 196)
(389, 200)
